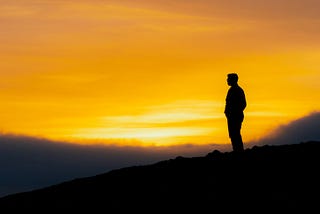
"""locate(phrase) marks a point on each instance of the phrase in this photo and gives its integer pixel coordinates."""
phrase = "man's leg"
(237, 144)
(234, 127)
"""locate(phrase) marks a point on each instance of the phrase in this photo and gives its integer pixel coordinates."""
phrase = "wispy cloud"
(299, 130)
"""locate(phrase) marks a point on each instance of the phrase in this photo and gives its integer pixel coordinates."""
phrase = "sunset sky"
(144, 72)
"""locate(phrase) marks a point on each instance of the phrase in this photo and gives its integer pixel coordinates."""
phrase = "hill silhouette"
(262, 179)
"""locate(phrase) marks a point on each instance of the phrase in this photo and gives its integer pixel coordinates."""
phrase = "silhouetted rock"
(265, 179)
(215, 153)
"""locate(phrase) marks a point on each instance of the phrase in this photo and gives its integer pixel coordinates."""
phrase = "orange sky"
(154, 72)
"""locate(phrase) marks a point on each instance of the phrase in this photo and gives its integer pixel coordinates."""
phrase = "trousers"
(234, 129)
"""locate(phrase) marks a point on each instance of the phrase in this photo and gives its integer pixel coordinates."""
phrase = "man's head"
(232, 79)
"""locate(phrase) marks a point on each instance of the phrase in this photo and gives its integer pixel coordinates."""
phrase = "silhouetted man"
(235, 105)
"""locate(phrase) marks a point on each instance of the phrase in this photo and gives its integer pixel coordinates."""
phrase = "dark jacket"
(235, 102)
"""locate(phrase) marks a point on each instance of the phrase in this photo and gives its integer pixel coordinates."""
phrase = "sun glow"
(175, 123)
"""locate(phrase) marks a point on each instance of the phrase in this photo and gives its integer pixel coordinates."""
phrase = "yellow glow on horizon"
(176, 122)
(145, 136)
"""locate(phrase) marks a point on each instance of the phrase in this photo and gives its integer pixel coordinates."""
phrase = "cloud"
(28, 163)
(300, 130)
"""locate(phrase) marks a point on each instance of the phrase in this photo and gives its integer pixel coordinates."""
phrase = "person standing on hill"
(235, 105)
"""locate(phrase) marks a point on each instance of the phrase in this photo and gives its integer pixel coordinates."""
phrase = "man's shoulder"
(240, 88)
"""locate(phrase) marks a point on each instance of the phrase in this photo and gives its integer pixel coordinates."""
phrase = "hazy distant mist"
(303, 129)
(27, 163)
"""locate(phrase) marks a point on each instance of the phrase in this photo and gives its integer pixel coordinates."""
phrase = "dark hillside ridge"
(262, 179)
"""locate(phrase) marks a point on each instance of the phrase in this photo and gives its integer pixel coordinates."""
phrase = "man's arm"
(244, 102)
